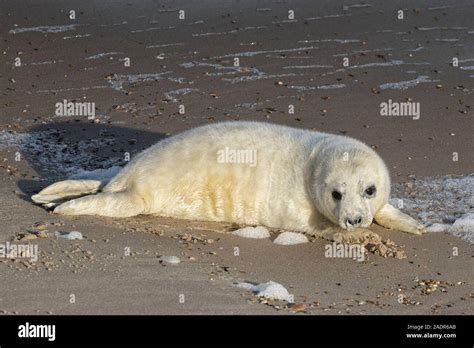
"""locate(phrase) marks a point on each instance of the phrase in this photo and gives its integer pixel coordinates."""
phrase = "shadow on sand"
(58, 150)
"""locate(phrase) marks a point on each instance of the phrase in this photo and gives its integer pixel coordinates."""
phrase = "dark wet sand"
(383, 50)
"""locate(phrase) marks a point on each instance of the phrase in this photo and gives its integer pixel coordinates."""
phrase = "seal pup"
(249, 173)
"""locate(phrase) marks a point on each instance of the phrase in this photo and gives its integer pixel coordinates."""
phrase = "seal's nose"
(354, 222)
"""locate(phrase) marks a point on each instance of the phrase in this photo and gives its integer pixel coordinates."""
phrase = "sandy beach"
(155, 69)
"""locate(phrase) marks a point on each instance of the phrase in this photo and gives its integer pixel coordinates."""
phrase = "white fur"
(288, 187)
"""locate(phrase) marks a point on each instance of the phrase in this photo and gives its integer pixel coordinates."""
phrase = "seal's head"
(349, 182)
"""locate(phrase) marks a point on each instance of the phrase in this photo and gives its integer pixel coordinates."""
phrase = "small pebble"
(298, 307)
(69, 235)
(290, 238)
(258, 232)
(172, 260)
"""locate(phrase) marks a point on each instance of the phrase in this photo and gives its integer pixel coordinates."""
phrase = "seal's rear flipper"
(113, 204)
(65, 190)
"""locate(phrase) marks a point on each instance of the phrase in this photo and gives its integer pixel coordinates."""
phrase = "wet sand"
(190, 62)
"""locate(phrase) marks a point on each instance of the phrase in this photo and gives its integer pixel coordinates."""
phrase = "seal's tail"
(66, 190)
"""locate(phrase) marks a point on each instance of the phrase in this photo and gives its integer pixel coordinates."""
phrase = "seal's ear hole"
(370, 191)
(336, 195)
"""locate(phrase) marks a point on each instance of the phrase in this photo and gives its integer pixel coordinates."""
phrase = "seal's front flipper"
(113, 204)
(392, 218)
(65, 190)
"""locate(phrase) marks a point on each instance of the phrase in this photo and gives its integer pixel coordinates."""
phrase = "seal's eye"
(370, 191)
(336, 195)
